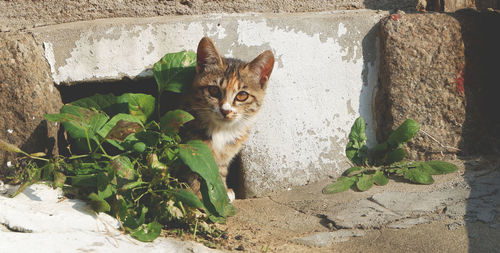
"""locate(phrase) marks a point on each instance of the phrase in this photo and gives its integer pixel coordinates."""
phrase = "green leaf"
(102, 102)
(147, 233)
(188, 198)
(357, 133)
(132, 185)
(353, 171)
(173, 120)
(59, 179)
(81, 123)
(342, 184)
(175, 71)
(395, 156)
(141, 106)
(403, 133)
(418, 176)
(131, 223)
(380, 179)
(98, 204)
(123, 167)
(197, 156)
(104, 188)
(380, 148)
(365, 182)
(356, 149)
(118, 128)
(84, 180)
(112, 126)
(438, 167)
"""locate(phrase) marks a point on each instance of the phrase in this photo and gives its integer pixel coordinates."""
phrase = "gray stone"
(416, 203)
(363, 214)
(300, 134)
(457, 210)
(456, 225)
(408, 223)
(325, 239)
(27, 94)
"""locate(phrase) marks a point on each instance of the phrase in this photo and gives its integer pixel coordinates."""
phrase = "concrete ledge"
(324, 78)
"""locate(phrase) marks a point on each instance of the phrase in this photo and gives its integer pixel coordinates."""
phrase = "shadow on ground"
(481, 138)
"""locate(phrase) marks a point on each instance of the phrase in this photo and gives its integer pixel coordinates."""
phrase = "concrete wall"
(325, 74)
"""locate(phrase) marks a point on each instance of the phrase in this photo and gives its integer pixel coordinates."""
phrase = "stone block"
(422, 57)
(27, 93)
(438, 69)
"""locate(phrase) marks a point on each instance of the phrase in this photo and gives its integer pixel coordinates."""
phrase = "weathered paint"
(325, 73)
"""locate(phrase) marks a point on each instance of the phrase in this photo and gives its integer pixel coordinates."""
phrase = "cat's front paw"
(231, 195)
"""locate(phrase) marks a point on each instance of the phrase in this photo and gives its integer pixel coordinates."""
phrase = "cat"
(224, 98)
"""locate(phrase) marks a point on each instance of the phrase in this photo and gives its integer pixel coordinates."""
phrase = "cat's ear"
(263, 66)
(207, 55)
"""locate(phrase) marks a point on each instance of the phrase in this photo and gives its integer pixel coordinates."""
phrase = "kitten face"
(226, 91)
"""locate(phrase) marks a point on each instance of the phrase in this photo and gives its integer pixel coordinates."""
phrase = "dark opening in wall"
(80, 90)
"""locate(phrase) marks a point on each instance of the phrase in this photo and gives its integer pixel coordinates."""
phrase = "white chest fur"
(226, 134)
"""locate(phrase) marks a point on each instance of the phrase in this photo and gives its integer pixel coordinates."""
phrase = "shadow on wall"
(406, 5)
(481, 135)
(369, 76)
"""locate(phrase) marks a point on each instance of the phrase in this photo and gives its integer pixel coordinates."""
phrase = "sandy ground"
(272, 224)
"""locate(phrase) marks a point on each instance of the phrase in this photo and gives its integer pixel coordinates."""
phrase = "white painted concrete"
(325, 74)
(54, 224)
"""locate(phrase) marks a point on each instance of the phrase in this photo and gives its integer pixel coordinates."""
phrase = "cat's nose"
(224, 112)
(225, 109)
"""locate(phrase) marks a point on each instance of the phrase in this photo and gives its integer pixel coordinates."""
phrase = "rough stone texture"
(41, 220)
(320, 83)
(427, 59)
(25, 13)
(420, 61)
(27, 93)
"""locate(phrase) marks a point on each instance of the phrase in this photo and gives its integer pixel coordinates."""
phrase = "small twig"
(440, 144)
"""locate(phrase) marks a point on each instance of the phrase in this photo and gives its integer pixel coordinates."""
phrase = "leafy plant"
(385, 160)
(126, 160)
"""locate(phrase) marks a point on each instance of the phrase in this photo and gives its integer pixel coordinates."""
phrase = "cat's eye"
(214, 91)
(242, 96)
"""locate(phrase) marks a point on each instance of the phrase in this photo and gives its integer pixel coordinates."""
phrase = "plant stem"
(34, 157)
(88, 140)
(195, 228)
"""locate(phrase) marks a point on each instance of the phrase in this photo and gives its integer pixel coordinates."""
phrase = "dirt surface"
(21, 14)
(275, 223)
